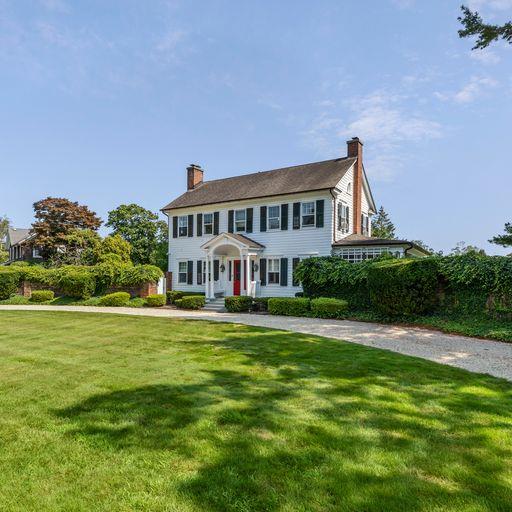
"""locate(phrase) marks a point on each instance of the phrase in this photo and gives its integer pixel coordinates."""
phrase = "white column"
(205, 277)
(248, 274)
(212, 283)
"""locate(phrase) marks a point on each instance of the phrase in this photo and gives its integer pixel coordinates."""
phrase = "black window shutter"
(263, 271)
(175, 227)
(231, 221)
(284, 216)
(283, 275)
(190, 225)
(295, 262)
(199, 272)
(190, 272)
(229, 270)
(296, 215)
(248, 220)
(216, 223)
(320, 213)
(263, 218)
(199, 227)
(215, 270)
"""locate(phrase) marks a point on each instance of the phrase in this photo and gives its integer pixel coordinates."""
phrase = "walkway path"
(492, 357)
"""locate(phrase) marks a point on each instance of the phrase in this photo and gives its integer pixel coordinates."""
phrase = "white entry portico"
(238, 272)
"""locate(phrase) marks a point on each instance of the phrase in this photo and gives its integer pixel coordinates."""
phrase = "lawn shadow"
(308, 423)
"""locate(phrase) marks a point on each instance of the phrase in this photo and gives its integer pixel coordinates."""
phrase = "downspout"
(411, 245)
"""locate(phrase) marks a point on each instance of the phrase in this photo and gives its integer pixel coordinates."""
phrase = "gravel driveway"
(481, 356)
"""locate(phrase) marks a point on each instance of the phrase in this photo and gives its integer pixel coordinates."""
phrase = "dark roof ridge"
(277, 169)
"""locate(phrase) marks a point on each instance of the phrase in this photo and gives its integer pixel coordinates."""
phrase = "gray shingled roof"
(288, 180)
(17, 235)
(356, 240)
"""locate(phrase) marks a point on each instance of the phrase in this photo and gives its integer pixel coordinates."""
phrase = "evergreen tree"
(382, 226)
(474, 26)
(504, 240)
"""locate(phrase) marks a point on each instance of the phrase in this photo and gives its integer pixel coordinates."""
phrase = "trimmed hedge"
(296, 306)
(190, 302)
(157, 300)
(238, 303)
(404, 286)
(116, 299)
(177, 294)
(9, 282)
(42, 296)
(325, 307)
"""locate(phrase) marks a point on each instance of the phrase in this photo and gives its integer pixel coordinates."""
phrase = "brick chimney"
(355, 150)
(194, 176)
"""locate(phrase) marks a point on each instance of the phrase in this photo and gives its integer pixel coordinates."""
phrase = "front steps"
(216, 305)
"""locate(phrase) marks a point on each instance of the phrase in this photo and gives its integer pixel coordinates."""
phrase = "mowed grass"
(116, 413)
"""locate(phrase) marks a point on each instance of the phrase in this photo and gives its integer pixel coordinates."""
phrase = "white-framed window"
(183, 225)
(182, 272)
(274, 217)
(358, 254)
(365, 224)
(343, 217)
(349, 188)
(308, 213)
(240, 220)
(273, 269)
(35, 252)
(208, 224)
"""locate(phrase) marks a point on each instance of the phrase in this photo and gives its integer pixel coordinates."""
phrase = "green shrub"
(9, 283)
(238, 303)
(296, 306)
(108, 274)
(178, 294)
(190, 302)
(116, 299)
(15, 300)
(404, 287)
(324, 307)
(136, 302)
(75, 281)
(42, 296)
(156, 300)
(139, 274)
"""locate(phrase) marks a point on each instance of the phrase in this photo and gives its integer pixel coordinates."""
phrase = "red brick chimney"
(355, 150)
(194, 176)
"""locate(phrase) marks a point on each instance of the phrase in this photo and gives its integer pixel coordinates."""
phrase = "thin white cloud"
(487, 57)
(474, 89)
(384, 121)
(55, 5)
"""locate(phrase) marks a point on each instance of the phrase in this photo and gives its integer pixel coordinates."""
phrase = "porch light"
(223, 268)
(256, 267)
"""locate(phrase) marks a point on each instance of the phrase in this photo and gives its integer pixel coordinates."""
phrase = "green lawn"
(116, 413)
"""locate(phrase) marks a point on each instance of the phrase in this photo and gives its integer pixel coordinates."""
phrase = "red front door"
(237, 267)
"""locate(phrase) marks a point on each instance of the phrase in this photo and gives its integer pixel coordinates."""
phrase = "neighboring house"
(245, 235)
(19, 245)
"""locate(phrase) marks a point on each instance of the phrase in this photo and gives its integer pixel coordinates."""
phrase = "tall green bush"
(404, 286)
(9, 282)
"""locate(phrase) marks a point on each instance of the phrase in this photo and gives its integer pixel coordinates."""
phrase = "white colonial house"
(245, 235)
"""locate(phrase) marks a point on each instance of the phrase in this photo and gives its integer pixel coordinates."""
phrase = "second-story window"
(343, 217)
(274, 217)
(365, 224)
(308, 213)
(240, 220)
(183, 225)
(208, 223)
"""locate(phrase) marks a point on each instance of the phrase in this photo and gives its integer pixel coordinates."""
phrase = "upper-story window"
(274, 217)
(365, 224)
(343, 217)
(308, 213)
(349, 188)
(208, 223)
(240, 220)
(183, 225)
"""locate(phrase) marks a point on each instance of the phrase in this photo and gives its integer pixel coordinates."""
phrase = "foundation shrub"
(156, 300)
(238, 303)
(289, 306)
(325, 307)
(190, 302)
(117, 299)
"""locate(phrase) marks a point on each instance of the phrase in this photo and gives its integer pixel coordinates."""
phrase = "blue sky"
(107, 101)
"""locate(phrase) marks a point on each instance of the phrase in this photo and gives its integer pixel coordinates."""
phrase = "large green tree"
(505, 240)
(462, 248)
(55, 218)
(4, 228)
(486, 33)
(382, 226)
(141, 228)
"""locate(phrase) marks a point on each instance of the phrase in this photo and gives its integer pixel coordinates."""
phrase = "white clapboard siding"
(290, 243)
